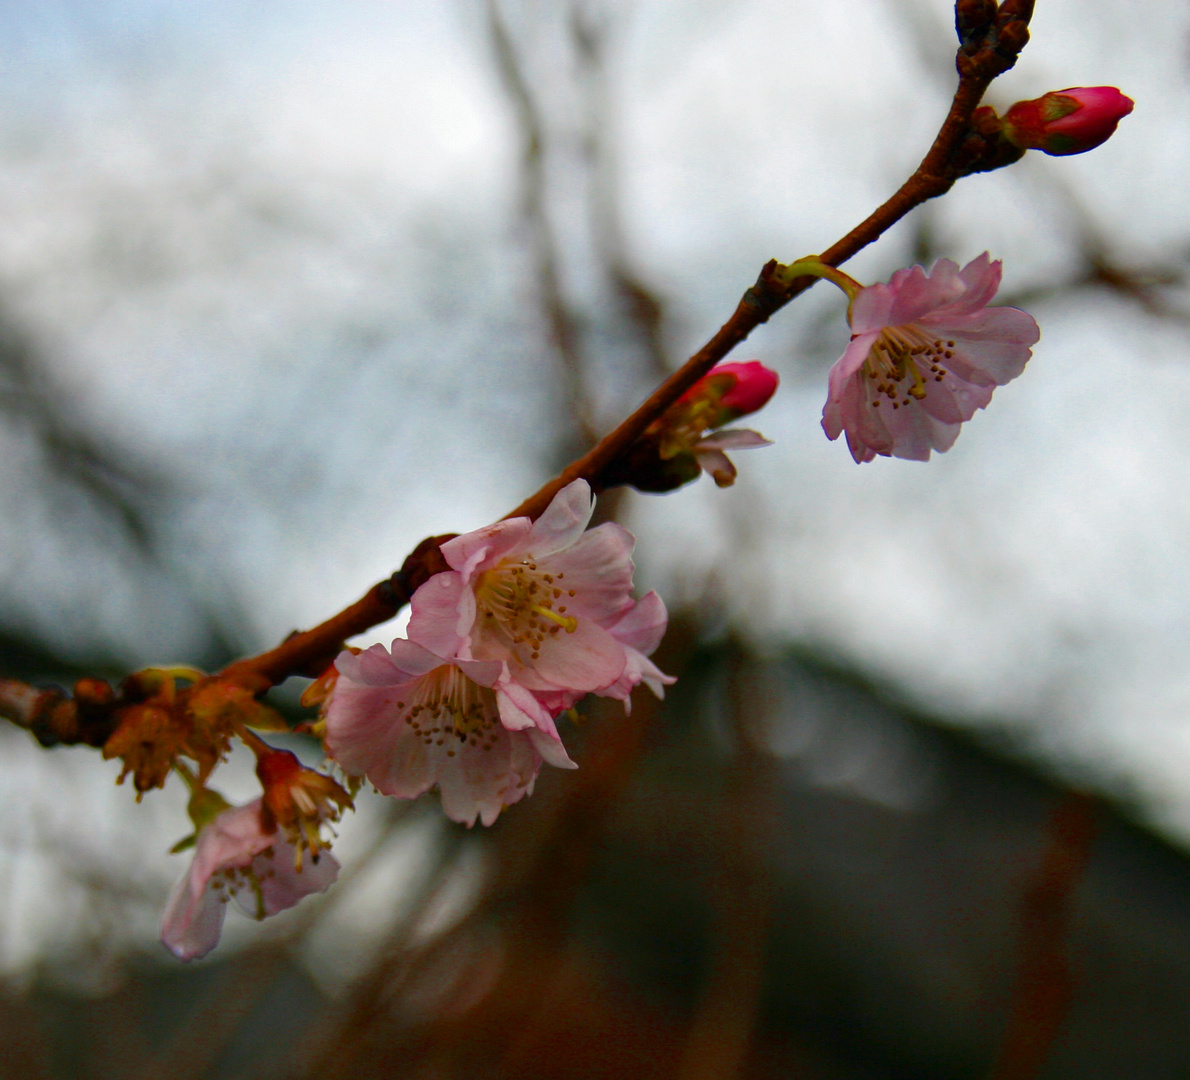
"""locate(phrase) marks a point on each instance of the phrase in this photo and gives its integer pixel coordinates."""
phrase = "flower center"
(231, 880)
(899, 356)
(520, 604)
(447, 704)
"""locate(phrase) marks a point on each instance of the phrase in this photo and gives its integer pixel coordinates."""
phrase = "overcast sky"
(273, 252)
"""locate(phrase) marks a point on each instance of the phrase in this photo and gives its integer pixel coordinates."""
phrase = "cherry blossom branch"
(52, 717)
(991, 37)
(990, 47)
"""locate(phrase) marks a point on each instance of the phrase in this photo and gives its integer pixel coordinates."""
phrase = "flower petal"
(519, 709)
(996, 346)
(871, 310)
(550, 749)
(483, 783)
(475, 551)
(442, 613)
(733, 439)
(717, 465)
(598, 570)
(918, 293)
(643, 625)
(586, 659)
(563, 521)
(282, 884)
(191, 927)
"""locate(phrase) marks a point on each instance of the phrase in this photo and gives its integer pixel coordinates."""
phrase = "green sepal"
(204, 806)
(185, 843)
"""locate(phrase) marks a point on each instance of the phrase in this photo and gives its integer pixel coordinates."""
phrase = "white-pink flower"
(535, 596)
(639, 629)
(926, 351)
(408, 719)
(234, 857)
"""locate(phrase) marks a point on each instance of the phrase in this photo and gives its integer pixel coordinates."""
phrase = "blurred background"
(285, 288)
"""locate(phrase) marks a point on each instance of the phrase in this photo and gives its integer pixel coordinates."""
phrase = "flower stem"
(813, 266)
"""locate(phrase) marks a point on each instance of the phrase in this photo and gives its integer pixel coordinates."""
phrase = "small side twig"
(1045, 986)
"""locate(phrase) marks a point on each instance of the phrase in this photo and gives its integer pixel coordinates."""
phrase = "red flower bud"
(726, 392)
(755, 384)
(1066, 121)
(675, 447)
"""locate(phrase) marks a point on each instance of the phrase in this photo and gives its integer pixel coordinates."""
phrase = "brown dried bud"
(166, 722)
(1017, 9)
(94, 694)
(1013, 37)
(297, 800)
(148, 740)
(973, 19)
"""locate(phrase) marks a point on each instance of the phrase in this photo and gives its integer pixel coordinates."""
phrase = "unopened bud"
(727, 392)
(1068, 121)
(754, 385)
(671, 451)
(973, 19)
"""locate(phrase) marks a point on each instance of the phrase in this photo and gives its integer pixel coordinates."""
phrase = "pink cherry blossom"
(234, 857)
(408, 720)
(639, 629)
(926, 351)
(534, 596)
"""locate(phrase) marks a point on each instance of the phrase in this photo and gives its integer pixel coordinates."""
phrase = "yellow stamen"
(567, 622)
(918, 389)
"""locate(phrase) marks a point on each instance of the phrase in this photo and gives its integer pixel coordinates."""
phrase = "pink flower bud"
(676, 447)
(1068, 121)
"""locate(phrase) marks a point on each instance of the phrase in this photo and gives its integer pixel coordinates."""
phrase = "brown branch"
(309, 652)
(52, 717)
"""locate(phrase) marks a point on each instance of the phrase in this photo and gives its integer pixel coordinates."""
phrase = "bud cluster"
(1059, 123)
(684, 441)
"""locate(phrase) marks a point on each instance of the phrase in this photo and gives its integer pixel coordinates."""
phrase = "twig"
(560, 319)
(1044, 986)
(726, 1015)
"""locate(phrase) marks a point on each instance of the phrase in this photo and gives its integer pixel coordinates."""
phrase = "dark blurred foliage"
(779, 872)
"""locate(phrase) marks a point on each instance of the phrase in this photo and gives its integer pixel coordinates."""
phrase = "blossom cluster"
(530, 617)
(533, 615)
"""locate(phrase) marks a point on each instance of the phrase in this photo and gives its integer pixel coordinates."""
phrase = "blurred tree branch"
(1045, 986)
